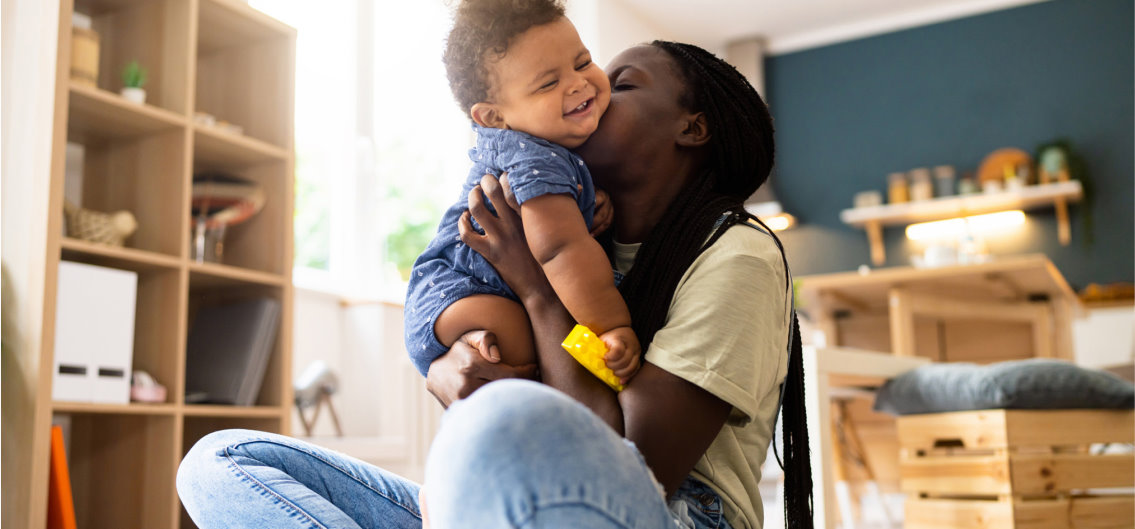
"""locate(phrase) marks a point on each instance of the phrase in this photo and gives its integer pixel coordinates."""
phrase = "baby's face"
(547, 86)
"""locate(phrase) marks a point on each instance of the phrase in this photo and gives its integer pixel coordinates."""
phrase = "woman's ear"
(695, 132)
(487, 115)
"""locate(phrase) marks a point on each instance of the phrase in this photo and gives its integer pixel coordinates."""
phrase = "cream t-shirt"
(727, 333)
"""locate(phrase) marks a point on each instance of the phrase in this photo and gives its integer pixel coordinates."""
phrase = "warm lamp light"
(764, 205)
(955, 228)
(779, 222)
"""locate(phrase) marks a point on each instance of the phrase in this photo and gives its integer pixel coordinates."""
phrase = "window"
(380, 144)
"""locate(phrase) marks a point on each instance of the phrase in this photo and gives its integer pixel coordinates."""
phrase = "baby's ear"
(487, 115)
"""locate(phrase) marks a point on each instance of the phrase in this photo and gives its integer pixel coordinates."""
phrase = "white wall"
(609, 27)
(387, 416)
(27, 67)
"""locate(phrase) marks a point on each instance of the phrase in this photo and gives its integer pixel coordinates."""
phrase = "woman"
(684, 142)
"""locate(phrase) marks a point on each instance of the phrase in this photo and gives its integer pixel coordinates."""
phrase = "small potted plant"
(133, 77)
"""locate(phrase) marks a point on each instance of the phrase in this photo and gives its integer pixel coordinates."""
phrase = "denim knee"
(507, 411)
(202, 466)
(514, 423)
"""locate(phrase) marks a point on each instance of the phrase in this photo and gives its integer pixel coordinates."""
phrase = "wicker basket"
(95, 226)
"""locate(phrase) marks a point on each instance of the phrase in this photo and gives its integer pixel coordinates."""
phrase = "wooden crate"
(1081, 512)
(1016, 469)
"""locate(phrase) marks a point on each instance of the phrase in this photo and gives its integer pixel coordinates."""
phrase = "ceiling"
(791, 25)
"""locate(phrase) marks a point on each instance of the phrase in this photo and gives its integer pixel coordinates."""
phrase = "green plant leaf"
(133, 75)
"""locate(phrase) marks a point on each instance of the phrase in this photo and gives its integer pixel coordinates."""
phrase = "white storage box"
(94, 333)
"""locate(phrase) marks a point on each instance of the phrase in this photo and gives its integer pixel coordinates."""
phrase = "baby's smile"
(583, 107)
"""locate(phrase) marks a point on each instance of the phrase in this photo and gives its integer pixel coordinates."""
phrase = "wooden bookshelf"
(218, 56)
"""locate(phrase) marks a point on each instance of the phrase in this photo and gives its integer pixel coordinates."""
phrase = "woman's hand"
(465, 368)
(503, 243)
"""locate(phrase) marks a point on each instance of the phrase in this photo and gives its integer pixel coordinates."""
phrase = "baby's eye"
(549, 84)
(583, 65)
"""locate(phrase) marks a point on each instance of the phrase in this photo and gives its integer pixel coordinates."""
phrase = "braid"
(740, 159)
(668, 251)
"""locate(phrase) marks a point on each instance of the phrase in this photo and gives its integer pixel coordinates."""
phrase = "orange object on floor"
(60, 504)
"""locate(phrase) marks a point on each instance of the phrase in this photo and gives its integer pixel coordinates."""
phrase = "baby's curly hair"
(484, 27)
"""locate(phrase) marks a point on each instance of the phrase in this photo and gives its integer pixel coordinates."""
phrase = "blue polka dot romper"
(448, 270)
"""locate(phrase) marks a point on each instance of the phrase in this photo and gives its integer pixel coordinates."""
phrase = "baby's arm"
(576, 266)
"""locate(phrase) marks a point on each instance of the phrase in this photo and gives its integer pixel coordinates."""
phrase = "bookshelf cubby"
(229, 60)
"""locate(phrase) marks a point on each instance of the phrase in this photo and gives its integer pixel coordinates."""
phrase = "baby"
(520, 71)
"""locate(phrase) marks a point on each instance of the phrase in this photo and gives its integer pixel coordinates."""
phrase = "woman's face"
(643, 120)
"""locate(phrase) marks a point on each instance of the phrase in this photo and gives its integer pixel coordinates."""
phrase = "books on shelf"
(228, 350)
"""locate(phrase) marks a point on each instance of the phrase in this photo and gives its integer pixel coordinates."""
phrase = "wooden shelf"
(133, 408)
(1030, 197)
(116, 257)
(250, 412)
(874, 218)
(212, 274)
(217, 149)
(227, 23)
(98, 116)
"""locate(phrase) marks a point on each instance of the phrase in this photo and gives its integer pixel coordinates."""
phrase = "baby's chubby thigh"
(505, 318)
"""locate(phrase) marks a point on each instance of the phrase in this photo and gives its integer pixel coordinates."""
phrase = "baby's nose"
(578, 82)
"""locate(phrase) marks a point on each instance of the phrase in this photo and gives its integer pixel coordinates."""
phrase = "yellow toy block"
(588, 350)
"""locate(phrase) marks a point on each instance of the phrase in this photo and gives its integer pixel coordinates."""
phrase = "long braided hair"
(740, 158)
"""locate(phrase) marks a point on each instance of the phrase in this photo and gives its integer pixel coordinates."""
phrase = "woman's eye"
(622, 86)
(584, 65)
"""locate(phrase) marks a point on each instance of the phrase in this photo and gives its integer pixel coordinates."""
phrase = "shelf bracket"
(1063, 231)
(875, 237)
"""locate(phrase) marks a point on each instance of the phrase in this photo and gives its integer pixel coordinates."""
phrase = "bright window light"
(955, 228)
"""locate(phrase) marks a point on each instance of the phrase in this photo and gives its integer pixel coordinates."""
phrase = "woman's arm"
(671, 420)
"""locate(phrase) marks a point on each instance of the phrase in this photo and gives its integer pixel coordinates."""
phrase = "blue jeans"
(514, 454)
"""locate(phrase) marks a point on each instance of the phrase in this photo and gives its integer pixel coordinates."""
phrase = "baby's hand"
(623, 352)
(604, 213)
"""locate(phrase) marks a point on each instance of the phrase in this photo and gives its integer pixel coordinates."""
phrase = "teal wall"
(950, 93)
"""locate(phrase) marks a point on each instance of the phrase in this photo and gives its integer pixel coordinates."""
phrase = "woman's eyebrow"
(618, 70)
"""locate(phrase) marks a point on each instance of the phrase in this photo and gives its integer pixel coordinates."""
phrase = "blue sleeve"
(541, 172)
(422, 360)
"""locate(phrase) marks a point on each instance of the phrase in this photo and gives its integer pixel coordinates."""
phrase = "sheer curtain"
(381, 146)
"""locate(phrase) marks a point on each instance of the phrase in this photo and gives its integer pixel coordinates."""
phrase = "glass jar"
(921, 188)
(944, 180)
(897, 190)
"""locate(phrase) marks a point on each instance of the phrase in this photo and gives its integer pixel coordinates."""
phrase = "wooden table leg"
(902, 322)
(819, 405)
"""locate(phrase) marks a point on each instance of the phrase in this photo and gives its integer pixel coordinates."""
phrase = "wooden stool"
(1016, 469)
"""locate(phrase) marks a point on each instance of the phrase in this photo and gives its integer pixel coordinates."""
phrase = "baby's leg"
(506, 318)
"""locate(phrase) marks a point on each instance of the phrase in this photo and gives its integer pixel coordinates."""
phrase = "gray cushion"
(1035, 383)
